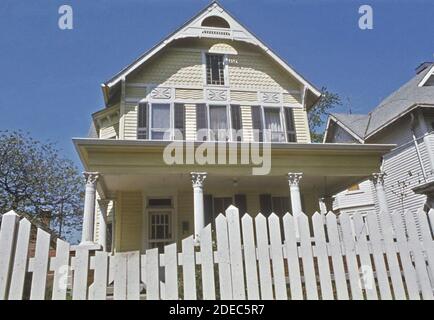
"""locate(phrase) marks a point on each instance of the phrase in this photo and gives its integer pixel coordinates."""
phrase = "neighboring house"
(405, 118)
(211, 74)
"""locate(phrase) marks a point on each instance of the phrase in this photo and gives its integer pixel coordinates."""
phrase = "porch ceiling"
(138, 165)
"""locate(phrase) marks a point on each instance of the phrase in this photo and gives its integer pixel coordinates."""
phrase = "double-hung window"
(160, 121)
(215, 69)
(273, 125)
(218, 123)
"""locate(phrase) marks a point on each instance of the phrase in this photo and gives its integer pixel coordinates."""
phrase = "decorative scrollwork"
(161, 93)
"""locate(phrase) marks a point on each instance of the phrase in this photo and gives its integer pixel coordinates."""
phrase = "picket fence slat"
(40, 266)
(418, 256)
(61, 268)
(428, 243)
(277, 258)
(207, 264)
(133, 275)
(19, 268)
(81, 266)
(405, 257)
(7, 238)
(235, 253)
(322, 257)
(120, 276)
(171, 271)
(188, 262)
(337, 257)
(250, 258)
(307, 257)
(374, 256)
(350, 256)
(152, 275)
(292, 258)
(100, 276)
(378, 255)
(366, 268)
(223, 260)
(387, 232)
(263, 258)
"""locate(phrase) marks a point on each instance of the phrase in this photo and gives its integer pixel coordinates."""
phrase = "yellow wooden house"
(210, 75)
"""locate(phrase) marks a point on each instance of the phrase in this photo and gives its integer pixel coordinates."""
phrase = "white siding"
(247, 125)
(365, 197)
(401, 167)
(190, 122)
(130, 122)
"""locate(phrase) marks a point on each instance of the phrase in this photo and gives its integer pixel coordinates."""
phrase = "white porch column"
(102, 230)
(294, 180)
(89, 208)
(197, 178)
(378, 180)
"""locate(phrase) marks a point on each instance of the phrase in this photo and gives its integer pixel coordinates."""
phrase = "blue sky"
(51, 78)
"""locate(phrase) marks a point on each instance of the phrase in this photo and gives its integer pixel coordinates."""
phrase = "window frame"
(282, 122)
(172, 119)
(228, 120)
(225, 69)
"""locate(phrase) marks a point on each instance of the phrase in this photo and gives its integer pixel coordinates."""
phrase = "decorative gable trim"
(193, 28)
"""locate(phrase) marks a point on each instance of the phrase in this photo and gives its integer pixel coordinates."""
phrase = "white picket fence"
(379, 256)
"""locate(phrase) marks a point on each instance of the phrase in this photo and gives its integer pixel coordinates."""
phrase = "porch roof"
(130, 163)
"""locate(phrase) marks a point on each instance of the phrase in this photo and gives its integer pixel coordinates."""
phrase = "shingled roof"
(391, 108)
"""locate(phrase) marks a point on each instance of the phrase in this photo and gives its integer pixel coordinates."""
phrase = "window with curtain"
(218, 123)
(273, 125)
(215, 69)
(160, 122)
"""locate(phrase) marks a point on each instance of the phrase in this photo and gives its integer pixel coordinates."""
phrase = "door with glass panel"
(274, 131)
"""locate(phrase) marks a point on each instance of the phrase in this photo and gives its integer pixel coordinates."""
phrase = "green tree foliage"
(318, 113)
(36, 180)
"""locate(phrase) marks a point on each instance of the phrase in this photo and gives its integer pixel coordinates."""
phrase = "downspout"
(419, 157)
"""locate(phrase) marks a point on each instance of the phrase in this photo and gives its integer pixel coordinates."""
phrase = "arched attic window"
(215, 22)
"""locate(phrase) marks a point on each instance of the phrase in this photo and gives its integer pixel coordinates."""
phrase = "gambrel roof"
(194, 29)
(412, 94)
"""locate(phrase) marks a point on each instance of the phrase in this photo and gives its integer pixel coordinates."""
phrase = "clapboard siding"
(97, 224)
(403, 166)
(251, 96)
(258, 72)
(136, 93)
(109, 132)
(189, 94)
(190, 122)
(364, 197)
(301, 125)
(174, 67)
(246, 121)
(429, 145)
(292, 98)
(185, 208)
(129, 212)
(130, 118)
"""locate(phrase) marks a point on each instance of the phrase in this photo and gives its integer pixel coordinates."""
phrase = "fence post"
(7, 246)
